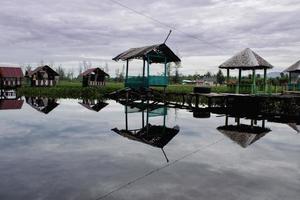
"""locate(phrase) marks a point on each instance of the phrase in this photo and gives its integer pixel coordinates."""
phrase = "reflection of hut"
(159, 53)
(94, 105)
(243, 134)
(43, 76)
(247, 60)
(10, 77)
(41, 104)
(154, 135)
(93, 77)
(11, 104)
(295, 126)
(294, 72)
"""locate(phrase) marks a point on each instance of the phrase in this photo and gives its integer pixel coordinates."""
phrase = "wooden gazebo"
(159, 53)
(294, 72)
(93, 77)
(247, 60)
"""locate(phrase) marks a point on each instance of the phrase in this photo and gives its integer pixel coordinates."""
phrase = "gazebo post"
(239, 81)
(144, 66)
(265, 80)
(253, 82)
(165, 75)
(148, 70)
(126, 77)
(228, 75)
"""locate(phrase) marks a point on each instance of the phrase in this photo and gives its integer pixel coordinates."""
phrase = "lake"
(68, 150)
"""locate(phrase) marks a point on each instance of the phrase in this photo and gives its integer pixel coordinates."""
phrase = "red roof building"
(10, 77)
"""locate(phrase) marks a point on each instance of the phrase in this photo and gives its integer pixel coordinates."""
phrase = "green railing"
(249, 89)
(294, 86)
(139, 82)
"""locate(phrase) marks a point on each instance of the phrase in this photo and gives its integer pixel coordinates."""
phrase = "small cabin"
(10, 77)
(93, 77)
(43, 76)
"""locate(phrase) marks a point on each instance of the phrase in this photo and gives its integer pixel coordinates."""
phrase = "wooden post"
(127, 66)
(253, 82)
(265, 81)
(148, 70)
(239, 81)
(226, 120)
(126, 118)
(144, 66)
(228, 76)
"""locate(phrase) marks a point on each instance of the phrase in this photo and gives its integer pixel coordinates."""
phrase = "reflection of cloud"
(72, 154)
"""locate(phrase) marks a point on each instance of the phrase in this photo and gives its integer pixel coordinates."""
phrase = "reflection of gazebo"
(242, 134)
(247, 60)
(159, 53)
(41, 104)
(154, 135)
(294, 72)
(94, 105)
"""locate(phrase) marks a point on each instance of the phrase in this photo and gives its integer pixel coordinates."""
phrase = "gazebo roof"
(294, 68)
(246, 60)
(41, 68)
(142, 52)
(91, 70)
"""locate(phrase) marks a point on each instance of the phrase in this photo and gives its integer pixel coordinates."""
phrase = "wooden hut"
(159, 53)
(294, 72)
(10, 77)
(155, 135)
(247, 60)
(43, 76)
(93, 77)
(43, 105)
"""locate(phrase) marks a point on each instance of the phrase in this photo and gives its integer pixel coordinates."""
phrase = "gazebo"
(247, 60)
(159, 53)
(294, 72)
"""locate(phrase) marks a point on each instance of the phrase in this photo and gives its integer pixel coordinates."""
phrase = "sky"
(205, 33)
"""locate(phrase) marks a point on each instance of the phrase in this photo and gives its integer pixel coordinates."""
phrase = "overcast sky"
(70, 31)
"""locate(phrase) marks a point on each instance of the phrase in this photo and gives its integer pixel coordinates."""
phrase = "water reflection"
(150, 134)
(42, 104)
(10, 101)
(93, 104)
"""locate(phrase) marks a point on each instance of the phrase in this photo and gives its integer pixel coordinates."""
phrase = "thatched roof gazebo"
(247, 60)
(159, 53)
(294, 71)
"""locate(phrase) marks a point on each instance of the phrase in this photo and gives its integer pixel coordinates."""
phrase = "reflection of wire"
(164, 24)
(120, 187)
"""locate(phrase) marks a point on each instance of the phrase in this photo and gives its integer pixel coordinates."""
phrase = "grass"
(74, 89)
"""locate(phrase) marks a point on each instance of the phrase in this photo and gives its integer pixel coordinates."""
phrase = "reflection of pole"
(165, 154)
(126, 118)
(226, 120)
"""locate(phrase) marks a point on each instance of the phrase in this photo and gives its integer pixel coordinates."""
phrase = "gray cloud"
(67, 32)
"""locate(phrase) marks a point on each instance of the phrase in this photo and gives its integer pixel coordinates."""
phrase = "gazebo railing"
(139, 81)
(248, 88)
(294, 86)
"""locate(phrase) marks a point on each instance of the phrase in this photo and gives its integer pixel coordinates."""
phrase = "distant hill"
(273, 74)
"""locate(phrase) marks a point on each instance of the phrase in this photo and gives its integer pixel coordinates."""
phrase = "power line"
(120, 187)
(164, 24)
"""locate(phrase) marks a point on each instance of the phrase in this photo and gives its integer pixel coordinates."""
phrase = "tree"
(220, 77)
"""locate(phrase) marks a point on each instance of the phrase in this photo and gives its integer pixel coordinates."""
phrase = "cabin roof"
(294, 68)
(97, 107)
(11, 104)
(142, 52)
(10, 72)
(246, 59)
(89, 71)
(30, 73)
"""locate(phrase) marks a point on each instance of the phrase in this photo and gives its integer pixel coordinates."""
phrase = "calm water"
(72, 153)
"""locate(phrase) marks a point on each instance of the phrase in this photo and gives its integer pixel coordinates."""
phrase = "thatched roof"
(142, 52)
(246, 60)
(294, 68)
(157, 136)
(244, 135)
